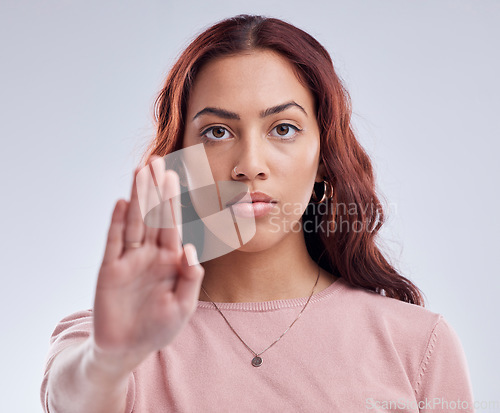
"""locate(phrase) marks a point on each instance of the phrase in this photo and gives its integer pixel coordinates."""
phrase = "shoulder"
(422, 341)
(375, 306)
(71, 329)
(406, 328)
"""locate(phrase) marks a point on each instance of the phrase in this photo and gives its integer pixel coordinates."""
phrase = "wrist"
(108, 369)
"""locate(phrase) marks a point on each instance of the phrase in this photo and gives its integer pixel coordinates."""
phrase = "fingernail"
(192, 255)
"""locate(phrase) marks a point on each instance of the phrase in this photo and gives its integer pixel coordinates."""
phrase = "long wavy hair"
(351, 254)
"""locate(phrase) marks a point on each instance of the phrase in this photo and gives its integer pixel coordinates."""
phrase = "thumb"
(190, 278)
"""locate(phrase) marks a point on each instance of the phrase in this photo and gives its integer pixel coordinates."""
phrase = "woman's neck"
(284, 271)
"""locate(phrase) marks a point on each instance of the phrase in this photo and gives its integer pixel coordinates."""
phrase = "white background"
(78, 81)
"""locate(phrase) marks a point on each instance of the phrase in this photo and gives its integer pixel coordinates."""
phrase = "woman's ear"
(181, 172)
(321, 173)
(182, 180)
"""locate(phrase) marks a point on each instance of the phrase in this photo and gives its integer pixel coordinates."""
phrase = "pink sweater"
(350, 351)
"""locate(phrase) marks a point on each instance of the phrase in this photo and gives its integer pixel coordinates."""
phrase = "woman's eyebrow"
(222, 113)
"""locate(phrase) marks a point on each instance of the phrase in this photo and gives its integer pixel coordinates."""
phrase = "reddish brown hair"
(352, 254)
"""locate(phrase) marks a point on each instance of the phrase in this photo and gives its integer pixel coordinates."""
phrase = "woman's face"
(277, 154)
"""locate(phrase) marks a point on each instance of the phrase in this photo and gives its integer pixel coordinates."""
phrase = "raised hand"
(145, 293)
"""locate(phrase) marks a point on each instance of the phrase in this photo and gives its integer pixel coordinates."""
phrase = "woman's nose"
(251, 160)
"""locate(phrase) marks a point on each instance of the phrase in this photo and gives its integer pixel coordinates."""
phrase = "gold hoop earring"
(327, 189)
(180, 198)
(184, 206)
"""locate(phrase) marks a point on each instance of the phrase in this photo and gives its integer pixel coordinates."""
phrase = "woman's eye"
(218, 132)
(283, 130)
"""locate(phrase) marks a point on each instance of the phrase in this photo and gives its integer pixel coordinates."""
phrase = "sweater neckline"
(276, 304)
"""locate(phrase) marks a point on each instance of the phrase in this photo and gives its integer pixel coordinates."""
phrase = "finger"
(114, 243)
(170, 234)
(134, 229)
(189, 281)
(154, 183)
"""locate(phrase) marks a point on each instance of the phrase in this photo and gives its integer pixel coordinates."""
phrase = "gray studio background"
(78, 80)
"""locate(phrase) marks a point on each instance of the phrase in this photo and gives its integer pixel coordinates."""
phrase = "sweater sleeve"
(443, 383)
(72, 330)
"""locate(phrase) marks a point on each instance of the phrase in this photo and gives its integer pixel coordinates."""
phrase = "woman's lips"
(255, 209)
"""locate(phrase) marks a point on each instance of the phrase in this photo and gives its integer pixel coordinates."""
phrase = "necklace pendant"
(257, 361)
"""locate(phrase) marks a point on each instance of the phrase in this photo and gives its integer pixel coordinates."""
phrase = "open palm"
(145, 293)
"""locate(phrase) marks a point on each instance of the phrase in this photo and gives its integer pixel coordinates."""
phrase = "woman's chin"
(261, 241)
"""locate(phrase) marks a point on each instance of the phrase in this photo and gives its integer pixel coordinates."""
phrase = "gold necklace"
(257, 360)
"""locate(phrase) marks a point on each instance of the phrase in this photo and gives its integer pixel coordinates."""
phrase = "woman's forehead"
(258, 80)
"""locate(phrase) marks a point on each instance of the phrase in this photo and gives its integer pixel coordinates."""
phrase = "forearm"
(80, 381)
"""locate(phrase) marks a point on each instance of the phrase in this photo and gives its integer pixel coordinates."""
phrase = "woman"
(261, 103)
